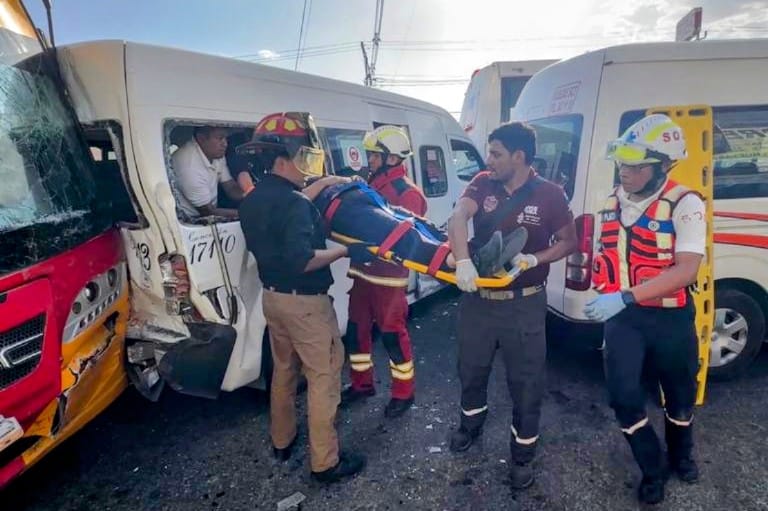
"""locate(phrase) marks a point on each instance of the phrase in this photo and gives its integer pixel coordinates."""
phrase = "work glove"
(604, 307)
(358, 253)
(466, 273)
(525, 261)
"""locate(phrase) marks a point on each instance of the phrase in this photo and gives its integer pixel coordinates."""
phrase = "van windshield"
(47, 191)
(557, 149)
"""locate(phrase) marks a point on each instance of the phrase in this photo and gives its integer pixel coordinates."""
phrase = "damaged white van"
(197, 320)
(578, 105)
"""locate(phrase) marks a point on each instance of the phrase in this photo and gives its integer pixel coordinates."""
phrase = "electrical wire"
(301, 36)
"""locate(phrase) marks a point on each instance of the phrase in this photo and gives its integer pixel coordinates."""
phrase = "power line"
(301, 33)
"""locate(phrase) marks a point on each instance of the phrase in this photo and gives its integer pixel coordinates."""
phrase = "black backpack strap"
(518, 197)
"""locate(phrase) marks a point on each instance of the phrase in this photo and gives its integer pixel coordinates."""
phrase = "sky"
(429, 48)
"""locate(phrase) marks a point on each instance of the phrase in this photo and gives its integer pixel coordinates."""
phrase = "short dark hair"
(516, 136)
(205, 131)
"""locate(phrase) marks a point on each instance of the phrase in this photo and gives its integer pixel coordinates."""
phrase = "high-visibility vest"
(631, 255)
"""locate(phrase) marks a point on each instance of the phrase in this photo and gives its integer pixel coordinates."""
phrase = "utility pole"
(367, 81)
(376, 39)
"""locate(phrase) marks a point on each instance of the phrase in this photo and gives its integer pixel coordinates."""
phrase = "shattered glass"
(47, 192)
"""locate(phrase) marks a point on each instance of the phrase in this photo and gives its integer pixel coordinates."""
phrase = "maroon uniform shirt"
(543, 211)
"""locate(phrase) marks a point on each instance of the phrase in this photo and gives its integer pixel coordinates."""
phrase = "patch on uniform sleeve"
(490, 203)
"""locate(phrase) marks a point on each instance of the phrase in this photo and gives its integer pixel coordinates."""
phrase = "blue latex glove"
(604, 307)
(359, 254)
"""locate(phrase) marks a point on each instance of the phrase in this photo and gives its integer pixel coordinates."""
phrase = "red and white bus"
(63, 286)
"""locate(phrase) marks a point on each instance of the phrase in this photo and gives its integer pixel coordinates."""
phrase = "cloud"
(267, 54)
(750, 20)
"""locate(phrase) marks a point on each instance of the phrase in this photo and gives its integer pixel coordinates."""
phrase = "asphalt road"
(189, 454)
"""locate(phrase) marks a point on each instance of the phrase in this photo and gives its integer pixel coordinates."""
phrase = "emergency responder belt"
(509, 294)
(290, 291)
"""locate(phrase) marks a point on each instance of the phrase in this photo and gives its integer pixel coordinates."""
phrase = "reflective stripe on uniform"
(678, 422)
(402, 371)
(630, 430)
(623, 263)
(375, 279)
(361, 366)
(474, 411)
(523, 441)
(359, 357)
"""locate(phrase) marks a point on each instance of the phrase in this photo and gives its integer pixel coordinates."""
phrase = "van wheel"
(738, 334)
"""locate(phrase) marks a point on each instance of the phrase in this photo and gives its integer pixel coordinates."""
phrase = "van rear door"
(559, 102)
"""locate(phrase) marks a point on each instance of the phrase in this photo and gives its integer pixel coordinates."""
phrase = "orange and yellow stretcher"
(501, 279)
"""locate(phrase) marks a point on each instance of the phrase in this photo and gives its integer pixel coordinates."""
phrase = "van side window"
(110, 184)
(345, 155)
(557, 149)
(177, 137)
(466, 160)
(434, 180)
(741, 152)
(740, 143)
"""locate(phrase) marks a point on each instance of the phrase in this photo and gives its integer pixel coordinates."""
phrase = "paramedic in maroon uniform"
(508, 195)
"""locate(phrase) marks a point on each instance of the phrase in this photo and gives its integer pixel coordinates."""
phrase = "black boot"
(349, 464)
(461, 439)
(351, 395)
(487, 259)
(284, 453)
(680, 451)
(397, 407)
(647, 451)
(520, 475)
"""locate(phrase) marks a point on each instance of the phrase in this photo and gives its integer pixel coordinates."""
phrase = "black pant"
(516, 326)
(666, 338)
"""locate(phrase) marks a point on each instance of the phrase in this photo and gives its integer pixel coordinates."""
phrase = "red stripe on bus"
(744, 240)
(742, 216)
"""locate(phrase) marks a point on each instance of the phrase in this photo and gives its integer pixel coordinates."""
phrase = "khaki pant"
(304, 335)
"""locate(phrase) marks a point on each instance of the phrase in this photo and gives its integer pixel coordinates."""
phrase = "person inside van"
(200, 167)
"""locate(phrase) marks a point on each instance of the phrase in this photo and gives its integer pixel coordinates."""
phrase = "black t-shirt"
(282, 230)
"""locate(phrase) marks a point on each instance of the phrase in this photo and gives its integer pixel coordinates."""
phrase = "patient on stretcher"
(354, 212)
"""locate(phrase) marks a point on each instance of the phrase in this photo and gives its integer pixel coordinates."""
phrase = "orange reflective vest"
(631, 255)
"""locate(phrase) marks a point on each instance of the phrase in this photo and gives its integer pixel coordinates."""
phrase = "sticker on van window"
(354, 157)
(564, 98)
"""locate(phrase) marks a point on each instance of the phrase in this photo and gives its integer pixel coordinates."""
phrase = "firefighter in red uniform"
(652, 241)
(378, 293)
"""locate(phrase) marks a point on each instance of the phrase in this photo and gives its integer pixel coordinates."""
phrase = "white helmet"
(388, 139)
(652, 139)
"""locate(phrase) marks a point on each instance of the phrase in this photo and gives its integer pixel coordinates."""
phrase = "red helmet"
(292, 134)
(282, 132)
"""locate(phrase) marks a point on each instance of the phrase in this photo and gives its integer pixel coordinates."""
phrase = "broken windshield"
(46, 187)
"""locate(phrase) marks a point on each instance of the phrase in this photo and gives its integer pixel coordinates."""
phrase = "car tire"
(738, 334)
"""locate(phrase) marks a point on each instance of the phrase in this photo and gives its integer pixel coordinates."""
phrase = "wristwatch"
(627, 297)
